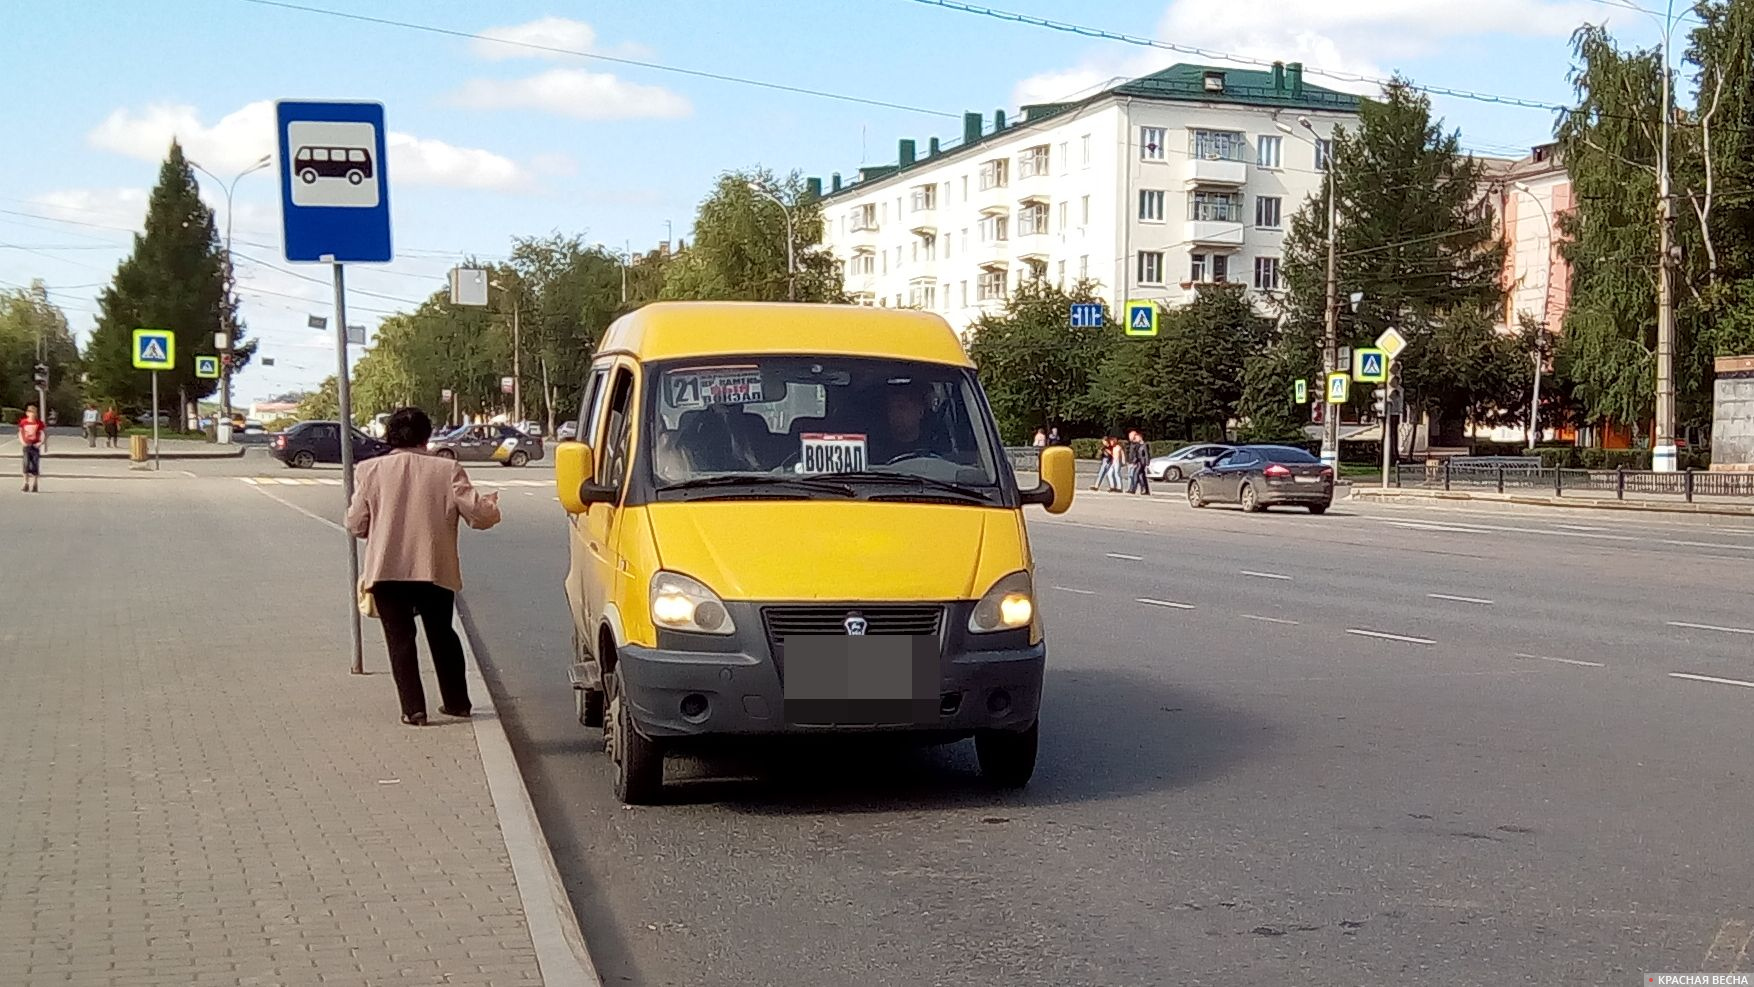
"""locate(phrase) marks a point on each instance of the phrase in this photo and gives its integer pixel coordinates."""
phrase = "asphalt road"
(1386, 746)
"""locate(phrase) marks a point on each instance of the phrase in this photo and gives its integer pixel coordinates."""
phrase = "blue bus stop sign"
(334, 184)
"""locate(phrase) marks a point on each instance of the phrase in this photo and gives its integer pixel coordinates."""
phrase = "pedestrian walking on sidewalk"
(89, 423)
(112, 426)
(406, 506)
(33, 435)
(1138, 458)
(1108, 467)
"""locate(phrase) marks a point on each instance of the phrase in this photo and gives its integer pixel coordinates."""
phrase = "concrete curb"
(561, 955)
(1526, 500)
(120, 457)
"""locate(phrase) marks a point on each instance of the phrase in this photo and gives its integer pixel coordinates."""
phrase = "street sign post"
(1300, 391)
(1339, 387)
(1391, 342)
(155, 350)
(1369, 365)
(506, 384)
(335, 210)
(1086, 315)
(207, 367)
(1142, 319)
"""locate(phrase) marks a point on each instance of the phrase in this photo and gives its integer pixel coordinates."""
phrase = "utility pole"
(230, 281)
(1663, 453)
(791, 266)
(1546, 292)
(1331, 343)
(517, 370)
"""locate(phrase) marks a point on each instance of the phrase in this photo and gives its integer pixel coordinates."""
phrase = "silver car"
(501, 444)
(1185, 462)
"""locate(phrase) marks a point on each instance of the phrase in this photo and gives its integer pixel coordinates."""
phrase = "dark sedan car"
(308, 443)
(1258, 477)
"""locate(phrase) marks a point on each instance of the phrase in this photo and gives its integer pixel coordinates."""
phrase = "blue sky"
(498, 141)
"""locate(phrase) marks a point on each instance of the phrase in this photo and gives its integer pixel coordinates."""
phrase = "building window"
(925, 198)
(885, 261)
(864, 218)
(1060, 272)
(1032, 219)
(1151, 143)
(1151, 205)
(898, 258)
(1267, 273)
(1215, 207)
(1196, 268)
(1084, 149)
(1267, 150)
(883, 213)
(1267, 211)
(1220, 268)
(924, 296)
(1084, 211)
(993, 174)
(965, 188)
(995, 228)
(965, 294)
(1033, 162)
(963, 246)
(947, 240)
(1217, 145)
(991, 286)
(1034, 270)
(1084, 267)
(929, 247)
(865, 264)
(1065, 159)
(1150, 267)
(1065, 209)
(1324, 150)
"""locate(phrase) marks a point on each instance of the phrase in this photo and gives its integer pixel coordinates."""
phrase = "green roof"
(1279, 88)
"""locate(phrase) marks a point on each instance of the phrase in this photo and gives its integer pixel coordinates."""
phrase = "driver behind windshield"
(905, 431)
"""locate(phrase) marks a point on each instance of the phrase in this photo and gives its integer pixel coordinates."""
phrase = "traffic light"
(1396, 396)
(41, 377)
(1380, 405)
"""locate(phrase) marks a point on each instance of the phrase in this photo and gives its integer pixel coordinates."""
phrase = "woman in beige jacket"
(406, 505)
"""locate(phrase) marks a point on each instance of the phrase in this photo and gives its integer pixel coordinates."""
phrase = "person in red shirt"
(33, 435)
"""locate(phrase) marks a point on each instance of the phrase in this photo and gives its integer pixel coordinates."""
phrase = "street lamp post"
(791, 274)
(1546, 291)
(1331, 332)
(517, 375)
(230, 279)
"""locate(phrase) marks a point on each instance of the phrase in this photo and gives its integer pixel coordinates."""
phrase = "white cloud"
(1359, 37)
(123, 208)
(239, 138)
(575, 93)
(549, 32)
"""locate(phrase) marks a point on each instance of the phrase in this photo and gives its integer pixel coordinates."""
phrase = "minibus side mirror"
(1058, 479)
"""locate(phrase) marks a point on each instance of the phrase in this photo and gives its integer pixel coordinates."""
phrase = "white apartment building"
(1187, 176)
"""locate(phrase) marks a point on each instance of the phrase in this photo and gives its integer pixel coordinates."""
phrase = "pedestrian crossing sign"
(1339, 387)
(1141, 318)
(207, 367)
(1300, 391)
(155, 349)
(1370, 365)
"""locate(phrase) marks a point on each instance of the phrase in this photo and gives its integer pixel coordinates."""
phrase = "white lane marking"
(271, 495)
(1080, 592)
(1165, 603)
(1704, 544)
(1269, 620)
(1128, 558)
(1709, 627)
(1583, 527)
(1565, 661)
(1711, 678)
(1487, 528)
(1263, 575)
(1384, 635)
(287, 483)
(1459, 599)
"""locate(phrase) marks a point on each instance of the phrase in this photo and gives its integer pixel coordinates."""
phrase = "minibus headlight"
(1010, 604)
(681, 603)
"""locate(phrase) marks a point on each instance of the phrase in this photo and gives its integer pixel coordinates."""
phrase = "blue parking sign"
(334, 182)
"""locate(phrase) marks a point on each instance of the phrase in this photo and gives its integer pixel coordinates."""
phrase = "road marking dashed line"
(1460, 599)
(1080, 592)
(1269, 620)
(1165, 603)
(1386, 636)
(1563, 661)
(1263, 575)
(1710, 678)
(1709, 627)
(1126, 558)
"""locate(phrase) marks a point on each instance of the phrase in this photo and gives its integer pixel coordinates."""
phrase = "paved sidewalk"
(197, 791)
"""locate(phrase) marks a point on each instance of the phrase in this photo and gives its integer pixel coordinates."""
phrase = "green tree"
(1415, 238)
(175, 278)
(571, 293)
(1036, 369)
(323, 404)
(29, 320)
(1187, 381)
(739, 250)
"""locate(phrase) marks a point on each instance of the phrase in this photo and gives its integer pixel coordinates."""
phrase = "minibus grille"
(925, 619)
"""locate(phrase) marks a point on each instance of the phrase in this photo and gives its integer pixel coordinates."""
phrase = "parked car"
(1258, 477)
(1185, 462)
(308, 443)
(566, 432)
(501, 444)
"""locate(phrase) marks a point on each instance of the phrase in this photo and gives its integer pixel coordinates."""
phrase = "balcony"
(990, 253)
(1216, 171)
(1215, 233)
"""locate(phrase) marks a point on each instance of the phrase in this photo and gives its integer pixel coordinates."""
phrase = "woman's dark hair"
(408, 428)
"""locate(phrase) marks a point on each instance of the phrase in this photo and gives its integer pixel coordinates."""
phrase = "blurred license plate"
(843, 680)
(1309, 479)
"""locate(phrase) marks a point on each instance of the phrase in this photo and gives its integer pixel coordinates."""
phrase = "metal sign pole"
(157, 463)
(344, 395)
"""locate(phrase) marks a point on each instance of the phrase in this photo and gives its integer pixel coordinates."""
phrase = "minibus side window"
(617, 435)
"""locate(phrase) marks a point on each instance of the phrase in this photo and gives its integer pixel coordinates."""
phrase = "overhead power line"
(634, 62)
(1210, 53)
